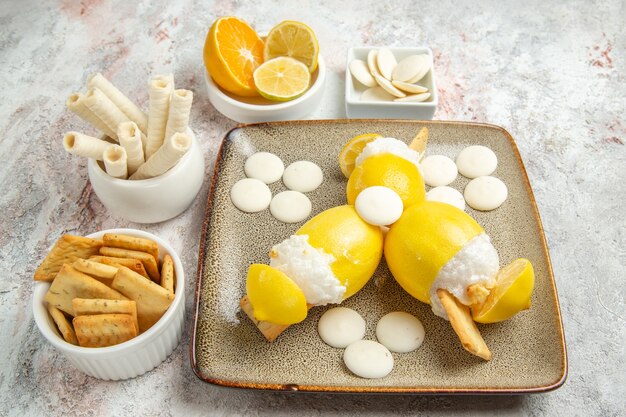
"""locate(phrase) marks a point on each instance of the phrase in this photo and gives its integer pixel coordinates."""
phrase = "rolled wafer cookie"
(76, 104)
(127, 107)
(104, 108)
(165, 158)
(115, 161)
(83, 145)
(130, 139)
(159, 104)
(180, 108)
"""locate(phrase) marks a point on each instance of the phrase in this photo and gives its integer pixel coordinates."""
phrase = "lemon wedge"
(511, 294)
(282, 79)
(295, 40)
(352, 149)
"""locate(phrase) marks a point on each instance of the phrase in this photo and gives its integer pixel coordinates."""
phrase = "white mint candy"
(438, 170)
(340, 327)
(448, 195)
(485, 193)
(400, 332)
(376, 94)
(303, 176)
(386, 84)
(476, 161)
(361, 73)
(409, 68)
(290, 206)
(409, 88)
(250, 195)
(368, 359)
(264, 166)
(386, 62)
(379, 206)
(415, 98)
(372, 63)
(424, 67)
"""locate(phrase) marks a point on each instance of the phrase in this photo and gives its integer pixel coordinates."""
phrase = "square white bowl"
(355, 108)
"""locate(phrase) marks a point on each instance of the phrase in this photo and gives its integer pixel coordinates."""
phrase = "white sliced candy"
(409, 68)
(448, 195)
(250, 195)
(438, 170)
(424, 67)
(264, 166)
(476, 161)
(290, 206)
(340, 327)
(368, 359)
(303, 176)
(386, 62)
(409, 88)
(378, 205)
(415, 98)
(376, 94)
(361, 73)
(372, 63)
(485, 193)
(386, 84)
(400, 332)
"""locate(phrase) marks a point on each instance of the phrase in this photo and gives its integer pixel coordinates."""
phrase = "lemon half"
(282, 79)
(295, 40)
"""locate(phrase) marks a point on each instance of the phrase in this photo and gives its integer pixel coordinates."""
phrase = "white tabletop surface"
(551, 74)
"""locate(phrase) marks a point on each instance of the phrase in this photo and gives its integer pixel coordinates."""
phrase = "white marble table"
(552, 75)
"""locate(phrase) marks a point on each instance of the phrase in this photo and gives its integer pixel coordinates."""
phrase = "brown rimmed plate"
(528, 350)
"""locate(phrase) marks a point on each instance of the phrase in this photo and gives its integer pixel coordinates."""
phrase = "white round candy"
(476, 161)
(485, 193)
(368, 359)
(448, 195)
(378, 205)
(290, 206)
(438, 170)
(341, 326)
(386, 62)
(303, 176)
(264, 166)
(376, 94)
(361, 73)
(250, 195)
(400, 332)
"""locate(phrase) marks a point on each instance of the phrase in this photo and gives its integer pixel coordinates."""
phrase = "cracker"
(149, 262)
(152, 299)
(463, 325)
(419, 141)
(101, 272)
(104, 329)
(63, 324)
(116, 240)
(70, 284)
(133, 264)
(65, 251)
(93, 306)
(167, 274)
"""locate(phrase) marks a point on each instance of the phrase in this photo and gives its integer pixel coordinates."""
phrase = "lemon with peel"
(274, 296)
(352, 149)
(511, 294)
(295, 40)
(356, 245)
(391, 171)
(282, 79)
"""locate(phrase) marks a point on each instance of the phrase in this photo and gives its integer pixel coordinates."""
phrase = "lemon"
(295, 40)
(282, 79)
(356, 245)
(390, 171)
(511, 294)
(274, 296)
(352, 149)
(423, 240)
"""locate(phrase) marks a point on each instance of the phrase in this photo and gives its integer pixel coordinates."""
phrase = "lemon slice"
(293, 39)
(352, 149)
(282, 79)
(274, 296)
(511, 294)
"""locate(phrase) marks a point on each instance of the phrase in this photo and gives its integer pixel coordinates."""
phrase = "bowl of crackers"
(112, 302)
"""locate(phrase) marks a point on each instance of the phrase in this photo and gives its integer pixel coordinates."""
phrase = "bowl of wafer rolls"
(112, 302)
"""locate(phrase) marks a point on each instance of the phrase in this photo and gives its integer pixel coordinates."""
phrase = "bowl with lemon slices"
(252, 79)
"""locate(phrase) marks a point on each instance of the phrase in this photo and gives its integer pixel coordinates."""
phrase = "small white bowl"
(355, 108)
(259, 109)
(155, 199)
(136, 356)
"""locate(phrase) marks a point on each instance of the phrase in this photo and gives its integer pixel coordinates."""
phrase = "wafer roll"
(104, 108)
(115, 161)
(180, 108)
(165, 158)
(76, 104)
(160, 91)
(127, 107)
(130, 139)
(83, 145)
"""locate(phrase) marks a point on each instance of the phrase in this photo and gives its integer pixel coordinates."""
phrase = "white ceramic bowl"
(151, 200)
(136, 356)
(259, 109)
(355, 108)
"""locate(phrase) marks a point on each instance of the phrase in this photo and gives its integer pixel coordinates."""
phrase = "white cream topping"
(389, 145)
(477, 262)
(309, 268)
